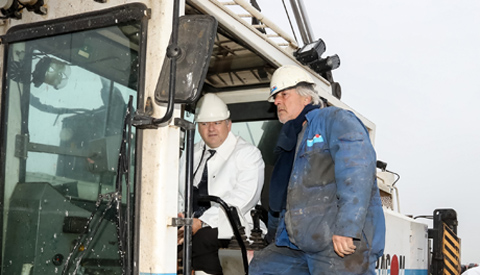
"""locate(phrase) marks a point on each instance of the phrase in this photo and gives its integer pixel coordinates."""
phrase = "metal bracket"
(184, 124)
(180, 221)
(21, 143)
(142, 121)
(109, 196)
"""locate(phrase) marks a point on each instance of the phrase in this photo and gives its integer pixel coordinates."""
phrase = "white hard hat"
(286, 77)
(211, 108)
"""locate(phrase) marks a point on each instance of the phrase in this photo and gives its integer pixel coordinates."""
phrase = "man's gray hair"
(306, 89)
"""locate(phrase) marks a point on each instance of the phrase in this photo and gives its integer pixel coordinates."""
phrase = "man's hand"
(196, 225)
(343, 245)
(180, 231)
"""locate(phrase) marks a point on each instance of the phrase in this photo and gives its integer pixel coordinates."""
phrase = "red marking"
(317, 135)
(394, 266)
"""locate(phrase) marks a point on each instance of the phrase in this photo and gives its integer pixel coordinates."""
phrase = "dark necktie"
(202, 190)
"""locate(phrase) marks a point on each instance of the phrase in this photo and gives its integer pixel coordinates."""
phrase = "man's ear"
(229, 124)
(307, 100)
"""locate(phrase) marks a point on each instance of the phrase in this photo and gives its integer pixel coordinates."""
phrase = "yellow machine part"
(451, 252)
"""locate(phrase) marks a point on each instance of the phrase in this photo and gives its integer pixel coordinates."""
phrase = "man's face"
(289, 104)
(214, 133)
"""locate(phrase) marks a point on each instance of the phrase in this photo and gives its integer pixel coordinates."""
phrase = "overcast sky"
(413, 69)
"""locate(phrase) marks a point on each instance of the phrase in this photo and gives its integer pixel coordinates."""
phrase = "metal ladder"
(242, 10)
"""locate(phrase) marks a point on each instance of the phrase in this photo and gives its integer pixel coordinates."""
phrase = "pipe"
(188, 235)
(398, 198)
(303, 23)
(173, 52)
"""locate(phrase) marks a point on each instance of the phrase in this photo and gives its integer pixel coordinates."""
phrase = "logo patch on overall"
(315, 139)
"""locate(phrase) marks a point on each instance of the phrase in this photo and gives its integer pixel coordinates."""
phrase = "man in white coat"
(232, 169)
(472, 271)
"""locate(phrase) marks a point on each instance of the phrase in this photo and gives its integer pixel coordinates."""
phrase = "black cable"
(92, 225)
(90, 231)
(128, 222)
(289, 21)
(122, 173)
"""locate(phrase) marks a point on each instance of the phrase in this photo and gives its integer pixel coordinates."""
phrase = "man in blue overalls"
(325, 211)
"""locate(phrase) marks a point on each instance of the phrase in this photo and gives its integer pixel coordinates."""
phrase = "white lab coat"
(235, 174)
(472, 271)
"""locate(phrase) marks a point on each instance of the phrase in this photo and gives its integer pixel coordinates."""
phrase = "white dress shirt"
(235, 174)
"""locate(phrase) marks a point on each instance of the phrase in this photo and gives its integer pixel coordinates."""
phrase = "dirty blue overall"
(332, 191)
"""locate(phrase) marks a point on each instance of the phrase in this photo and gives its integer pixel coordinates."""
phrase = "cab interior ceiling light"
(52, 72)
(311, 55)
